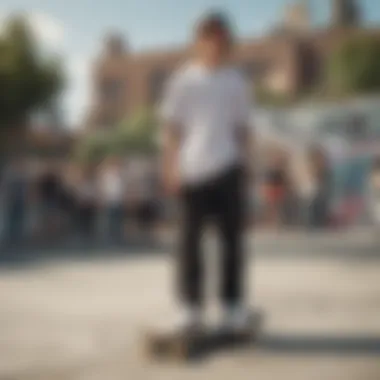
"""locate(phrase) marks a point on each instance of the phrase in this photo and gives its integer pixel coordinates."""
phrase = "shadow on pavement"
(274, 247)
(31, 254)
(322, 344)
(311, 345)
(306, 345)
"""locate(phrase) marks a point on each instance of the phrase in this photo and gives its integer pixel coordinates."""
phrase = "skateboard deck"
(187, 345)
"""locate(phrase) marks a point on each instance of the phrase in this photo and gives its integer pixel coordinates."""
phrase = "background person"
(16, 192)
(146, 199)
(374, 193)
(112, 195)
(305, 185)
(48, 190)
(69, 198)
(87, 203)
(276, 185)
(321, 203)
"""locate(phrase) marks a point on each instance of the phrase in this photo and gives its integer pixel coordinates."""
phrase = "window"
(156, 83)
(111, 90)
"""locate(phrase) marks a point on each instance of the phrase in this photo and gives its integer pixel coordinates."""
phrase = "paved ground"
(83, 320)
(361, 243)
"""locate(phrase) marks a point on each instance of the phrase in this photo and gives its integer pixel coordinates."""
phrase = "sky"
(74, 28)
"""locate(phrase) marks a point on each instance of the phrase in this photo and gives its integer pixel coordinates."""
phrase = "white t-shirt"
(111, 186)
(208, 106)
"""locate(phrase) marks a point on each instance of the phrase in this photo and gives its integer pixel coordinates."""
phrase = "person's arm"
(170, 159)
(172, 114)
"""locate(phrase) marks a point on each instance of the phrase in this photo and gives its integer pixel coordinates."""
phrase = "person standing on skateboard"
(206, 114)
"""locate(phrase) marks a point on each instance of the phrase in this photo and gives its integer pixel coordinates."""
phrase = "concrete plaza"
(83, 320)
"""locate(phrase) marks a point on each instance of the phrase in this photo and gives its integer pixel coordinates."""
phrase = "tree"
(29, 80)
(135, 135)
(354, 68)
(94, 147)
(139, 133)
(265, 97)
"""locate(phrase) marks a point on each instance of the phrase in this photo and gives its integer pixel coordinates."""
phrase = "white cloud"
(49, 31)
(77, 96)
(3, 17)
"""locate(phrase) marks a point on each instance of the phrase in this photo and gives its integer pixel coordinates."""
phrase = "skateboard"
(188, 345)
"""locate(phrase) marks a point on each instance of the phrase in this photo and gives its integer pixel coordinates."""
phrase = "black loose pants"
(220, 200)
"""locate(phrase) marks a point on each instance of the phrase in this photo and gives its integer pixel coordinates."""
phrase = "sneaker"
(236, 319)
(189, 319)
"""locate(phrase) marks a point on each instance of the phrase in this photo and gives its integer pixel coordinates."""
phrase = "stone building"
(288, 61)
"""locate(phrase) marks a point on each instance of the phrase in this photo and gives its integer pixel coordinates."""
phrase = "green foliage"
(138, 134)
(268, 98)
(134, 135)
(354, 68)
(29, 80)
(93, 147)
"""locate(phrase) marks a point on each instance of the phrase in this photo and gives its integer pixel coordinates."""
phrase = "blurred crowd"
(48, 201)
(296, 191)
(312, 191)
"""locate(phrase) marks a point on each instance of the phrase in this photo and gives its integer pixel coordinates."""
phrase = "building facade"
(288, 61)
